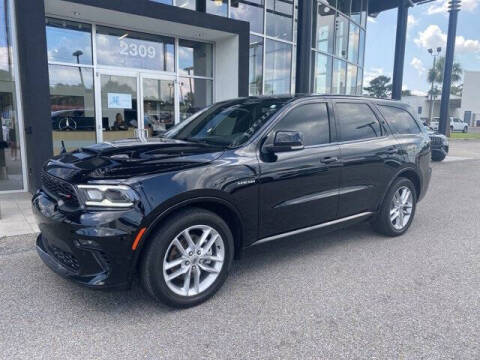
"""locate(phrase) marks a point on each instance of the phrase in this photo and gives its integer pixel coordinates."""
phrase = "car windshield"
(229, 123)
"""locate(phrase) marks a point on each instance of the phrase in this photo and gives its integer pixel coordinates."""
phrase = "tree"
(435, 75)
(406, 93)
(380, 87)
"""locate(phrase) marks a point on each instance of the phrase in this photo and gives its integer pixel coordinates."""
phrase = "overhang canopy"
(376, 6)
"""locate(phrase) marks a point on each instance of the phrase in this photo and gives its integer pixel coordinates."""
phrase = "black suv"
(177, 209)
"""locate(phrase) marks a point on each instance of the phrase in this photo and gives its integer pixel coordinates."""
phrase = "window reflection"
(158, 105)
(322, 77)
(167, 2)
(324, 25)
(280, 19)
(72, 107)
(341, 36)
(351, 88)
(217, 7)
(278, 60)
(195, 94)
(11, 175)
(186, 4)
(256, 65)
(69, 42)
(356, 11)
(126, 48)
(251, 11)
(338, 82)
(360, 81)
(361, 46)
(353, 43)
(195, 58)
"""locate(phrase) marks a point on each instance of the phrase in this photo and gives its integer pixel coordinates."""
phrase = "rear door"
(370, 156)
(300, 188)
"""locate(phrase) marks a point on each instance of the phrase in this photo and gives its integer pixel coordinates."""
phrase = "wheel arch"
(408, 173)
(218, 206)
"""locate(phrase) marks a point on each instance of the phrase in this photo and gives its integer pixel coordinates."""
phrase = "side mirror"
(285, 141)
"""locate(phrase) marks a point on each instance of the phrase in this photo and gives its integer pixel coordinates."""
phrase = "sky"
(427, 28)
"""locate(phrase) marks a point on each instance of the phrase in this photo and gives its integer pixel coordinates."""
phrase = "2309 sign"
(135, 50)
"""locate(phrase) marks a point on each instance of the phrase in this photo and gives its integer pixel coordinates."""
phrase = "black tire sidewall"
(153, 267)
(385, 213)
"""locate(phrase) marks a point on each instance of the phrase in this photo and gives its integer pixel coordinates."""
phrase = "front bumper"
(92, 248)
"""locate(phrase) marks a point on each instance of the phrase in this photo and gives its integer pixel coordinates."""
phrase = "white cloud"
(418, 93)
(371, 74)
(412, 21)
(433, 37)
(417, 64)
(372, 20)
(441, 7)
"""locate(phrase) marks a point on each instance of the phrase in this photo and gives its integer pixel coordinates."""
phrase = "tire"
(438, 155)
(383, 223)
(160, 248)
(451, 129)
(465, 130)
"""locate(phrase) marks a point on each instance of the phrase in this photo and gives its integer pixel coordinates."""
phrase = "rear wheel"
(188, 258)
(398, 209)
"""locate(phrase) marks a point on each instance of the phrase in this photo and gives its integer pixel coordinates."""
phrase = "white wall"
(471, 94)
(226, 68)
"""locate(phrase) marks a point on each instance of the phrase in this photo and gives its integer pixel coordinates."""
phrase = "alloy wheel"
(401, 208)
(193, 260)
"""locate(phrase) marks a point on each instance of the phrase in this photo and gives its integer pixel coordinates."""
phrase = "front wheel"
(465, 129)
(188, 258)
(398, 209)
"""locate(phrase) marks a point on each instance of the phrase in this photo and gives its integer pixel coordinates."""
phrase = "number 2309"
(132, 49)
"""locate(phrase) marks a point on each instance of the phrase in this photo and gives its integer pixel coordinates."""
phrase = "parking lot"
(349, 294)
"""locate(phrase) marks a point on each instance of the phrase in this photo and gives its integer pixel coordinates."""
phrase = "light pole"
(431, 52)
(453, 8)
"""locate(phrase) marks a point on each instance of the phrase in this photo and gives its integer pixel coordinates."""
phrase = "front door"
(299, 189)
(130, 103)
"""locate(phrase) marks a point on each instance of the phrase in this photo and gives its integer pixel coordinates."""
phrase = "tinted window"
(229, 123)
(357, 121)
(311, 120)
(400, 120)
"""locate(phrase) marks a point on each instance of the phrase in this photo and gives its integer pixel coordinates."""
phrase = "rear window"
(400, 120)
(357, 121)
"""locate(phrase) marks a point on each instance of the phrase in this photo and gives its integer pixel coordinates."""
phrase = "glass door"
(118, 113)
(158, 103)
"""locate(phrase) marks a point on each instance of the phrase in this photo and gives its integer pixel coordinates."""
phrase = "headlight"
(107, 195)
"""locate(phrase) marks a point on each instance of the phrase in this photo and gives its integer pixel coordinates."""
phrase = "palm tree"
(436, 74)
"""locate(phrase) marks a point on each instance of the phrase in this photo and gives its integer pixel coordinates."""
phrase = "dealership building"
(78, 72)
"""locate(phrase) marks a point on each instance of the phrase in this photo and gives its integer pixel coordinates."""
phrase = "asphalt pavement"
(350, 294)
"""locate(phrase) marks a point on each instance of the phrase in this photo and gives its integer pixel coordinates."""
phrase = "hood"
(128, 158)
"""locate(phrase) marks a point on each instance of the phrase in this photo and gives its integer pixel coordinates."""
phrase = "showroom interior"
(78, 72)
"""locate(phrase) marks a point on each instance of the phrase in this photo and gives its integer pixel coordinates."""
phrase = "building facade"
(78, 72)
(470, 110)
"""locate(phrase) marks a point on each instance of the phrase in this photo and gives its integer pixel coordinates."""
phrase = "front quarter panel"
(231, 179)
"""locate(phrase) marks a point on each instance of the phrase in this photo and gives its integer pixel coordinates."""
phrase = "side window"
(400, 120)
(357, 121)
(309, 119)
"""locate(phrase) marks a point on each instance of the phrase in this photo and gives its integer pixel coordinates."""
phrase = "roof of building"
(376, 6)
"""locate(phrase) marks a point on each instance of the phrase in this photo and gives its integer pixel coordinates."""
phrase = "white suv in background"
(456, 124)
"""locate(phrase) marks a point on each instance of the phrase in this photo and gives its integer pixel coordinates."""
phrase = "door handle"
(329, 159)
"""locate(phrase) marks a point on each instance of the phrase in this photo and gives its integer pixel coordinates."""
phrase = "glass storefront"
(338, 44)
(11, 165)
(131, 83)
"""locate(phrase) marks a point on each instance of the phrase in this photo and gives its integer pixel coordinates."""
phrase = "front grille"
(436, 140)
(59, 189)
(66, 258)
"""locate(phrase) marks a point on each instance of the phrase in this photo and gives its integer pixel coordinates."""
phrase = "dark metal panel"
(304, 46)
(33, 66)
(400, 43)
